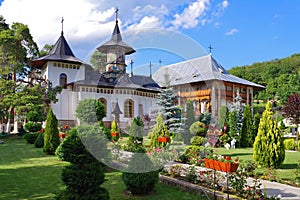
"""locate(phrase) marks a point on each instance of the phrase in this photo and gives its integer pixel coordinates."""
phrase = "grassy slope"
(27, 173)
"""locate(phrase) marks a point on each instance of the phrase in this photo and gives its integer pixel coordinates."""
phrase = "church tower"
(115, 49)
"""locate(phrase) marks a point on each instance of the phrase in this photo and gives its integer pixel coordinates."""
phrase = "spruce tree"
(268, 146)
(170, 112)
(51, 138)
(247, 128)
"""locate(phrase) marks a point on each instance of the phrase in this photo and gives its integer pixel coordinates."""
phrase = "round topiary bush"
(141, 176)
(198, 128)
(289, 144)
(30, 137)
(198, 140)
(33, 127)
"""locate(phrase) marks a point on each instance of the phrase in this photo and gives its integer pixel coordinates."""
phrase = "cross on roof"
(150, 69)
(160, 62)
(117, 13)
(131, 63)
(210, 48)
(62, 25)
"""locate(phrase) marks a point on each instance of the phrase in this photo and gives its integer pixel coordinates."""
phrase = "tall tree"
(292, 112)
(247, 128)
(51, 138)
(189, 120)
(268, 149)
(99, 61)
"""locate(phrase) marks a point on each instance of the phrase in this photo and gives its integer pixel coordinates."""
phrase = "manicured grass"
(286, 170)
(27, 173)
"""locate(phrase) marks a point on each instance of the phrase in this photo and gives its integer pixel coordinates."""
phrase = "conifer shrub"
(30, 137)
(159, 130)
(198, 140)
(289, 144)
(85, 174)
(198, 129)
(115, 135)
(141, 175)
(33, 127)
(39, 142)
(51, 138)
(268, 148)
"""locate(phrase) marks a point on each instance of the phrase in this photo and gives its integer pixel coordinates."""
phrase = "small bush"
(33, 116)
(198, 140)
(30, 137)
(39, 142)
(140, 179)
(33, 126)
(289, 144)
(198, 128)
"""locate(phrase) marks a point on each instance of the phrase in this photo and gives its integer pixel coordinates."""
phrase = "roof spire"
(62, 26)
(150, 65)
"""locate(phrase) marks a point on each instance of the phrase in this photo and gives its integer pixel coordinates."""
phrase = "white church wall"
(68, 69)
(64, 109)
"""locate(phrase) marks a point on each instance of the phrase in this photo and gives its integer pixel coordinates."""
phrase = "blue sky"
(241, 32)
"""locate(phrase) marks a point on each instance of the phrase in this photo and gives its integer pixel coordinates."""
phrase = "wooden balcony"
(193, 94)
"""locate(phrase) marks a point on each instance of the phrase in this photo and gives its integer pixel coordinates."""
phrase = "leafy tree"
(247, 128)
(292, 112)
(46, 49)
(51, 138)
(90, 111)
(268, 146)
(99, 61)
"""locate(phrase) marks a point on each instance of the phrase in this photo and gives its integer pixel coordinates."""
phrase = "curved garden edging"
(196, 189)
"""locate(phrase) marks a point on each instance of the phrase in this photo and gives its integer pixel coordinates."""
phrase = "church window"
(54, 64)
(128, 108)
(63, 80)
(104, 102)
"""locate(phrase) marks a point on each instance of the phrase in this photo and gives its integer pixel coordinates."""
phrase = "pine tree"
(268, 146)
(170, 112)
(247, 128)
(51, 138)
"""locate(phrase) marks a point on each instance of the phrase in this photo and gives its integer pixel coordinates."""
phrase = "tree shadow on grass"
(38, 182)
(288, 166)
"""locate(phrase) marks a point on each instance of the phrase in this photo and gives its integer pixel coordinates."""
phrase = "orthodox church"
(124, 96)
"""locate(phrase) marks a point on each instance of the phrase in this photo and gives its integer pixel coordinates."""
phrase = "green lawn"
(285, 172)
(27, 173)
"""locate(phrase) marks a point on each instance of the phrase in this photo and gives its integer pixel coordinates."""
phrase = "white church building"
(123, 95)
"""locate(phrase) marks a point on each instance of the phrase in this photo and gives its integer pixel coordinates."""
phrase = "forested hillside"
(280, 76)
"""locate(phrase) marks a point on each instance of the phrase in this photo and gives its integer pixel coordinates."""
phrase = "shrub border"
(196, 189)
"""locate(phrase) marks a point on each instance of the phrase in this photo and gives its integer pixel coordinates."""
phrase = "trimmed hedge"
(289, 144)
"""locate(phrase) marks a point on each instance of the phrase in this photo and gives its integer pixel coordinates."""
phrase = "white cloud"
(146, 22)
(43, 18)
(232, 31)
(190, 16)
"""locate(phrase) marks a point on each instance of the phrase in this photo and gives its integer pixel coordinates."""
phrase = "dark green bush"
(289, 144)
(39, 142)
(85, 174)
(198, 128)
(33, 116)
(198, 140)
(30, 137)
(33, 126)
(51, 138)
(141, 176)
(21, 131)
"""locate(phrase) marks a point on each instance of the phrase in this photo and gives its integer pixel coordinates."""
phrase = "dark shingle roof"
(60, 52)
(116, 41)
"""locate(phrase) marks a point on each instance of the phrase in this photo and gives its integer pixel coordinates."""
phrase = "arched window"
(63, 80)
(128, 108)
(104, 102)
